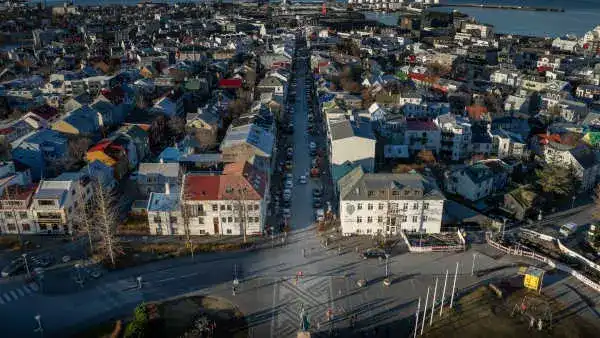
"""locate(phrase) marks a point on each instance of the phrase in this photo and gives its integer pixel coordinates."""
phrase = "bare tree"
(78, 147)
(187, 214)
(82, 219)
(106, 215)
(176, 127)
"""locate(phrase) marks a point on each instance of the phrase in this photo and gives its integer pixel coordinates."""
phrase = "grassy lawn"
(176, 319)
(482, 314)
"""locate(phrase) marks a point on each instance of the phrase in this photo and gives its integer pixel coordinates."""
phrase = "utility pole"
(473, 266)
(454, 286)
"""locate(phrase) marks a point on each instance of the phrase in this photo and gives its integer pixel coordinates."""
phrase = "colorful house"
(111, 154)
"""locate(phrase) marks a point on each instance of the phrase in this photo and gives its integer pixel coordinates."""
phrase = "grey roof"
(164, 169)
(381, 186)
(584, 156)
(163, 202)
(341, 129)
(591, 119)
(478, 173)
(252, 135)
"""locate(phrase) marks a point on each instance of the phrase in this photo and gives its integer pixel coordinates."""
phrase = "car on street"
(317, 203)
(373, 253)
(314, 172)
(287, 213)
(289, 184)
(14, 268)
(312, 145)
(319, 215)
(312, 152)
(317, 192)
(302, 179)
(288, 165)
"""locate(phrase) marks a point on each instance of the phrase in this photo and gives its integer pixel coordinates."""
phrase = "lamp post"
(139, 281)
(387, 281)
(79, 280)
(573, 201)
(473, 266)
(40, 329)
(26, 265)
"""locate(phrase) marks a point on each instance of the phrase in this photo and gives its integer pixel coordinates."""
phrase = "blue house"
(37, 149)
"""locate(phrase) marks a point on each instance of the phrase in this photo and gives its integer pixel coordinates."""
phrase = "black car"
(317, 192)
(317, 204)
(373, 253)
(313, 152)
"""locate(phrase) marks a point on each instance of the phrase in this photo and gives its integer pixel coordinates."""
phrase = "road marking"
(1, 301)
(20, 292)
(7, 297)
(34, 287)
(13, 294)
(189, 275)
(165, 279)
(274, 309)
(27, 289)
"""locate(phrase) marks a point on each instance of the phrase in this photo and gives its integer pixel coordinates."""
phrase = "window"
(424, 218)
(229, 207)
(425, 206)
(173, 219)
(8, 214)
(222, 207)
(369, 219)
(174, 231)
(368, 231)
(256, 207)
(26, 227)
(256, 219)
(369, 206)
(202, 232)
(359, 206)
(236, 207)
(70, 209)
(416, 206)
(370, 193)
(223, 219)
(395, 193)
(406, 192)
(381, 206)
(200, 220)
(215, 207)
(75, 204)
(403, 218)
(216, 220)
(236, 219)
(415, 219)
(380, 219)
(230, 219)
(43, 227)
(229, 231)
(358, 219)
(22, 215)
(405, 206)
(73, 192)
(157, 219)
(11, 227)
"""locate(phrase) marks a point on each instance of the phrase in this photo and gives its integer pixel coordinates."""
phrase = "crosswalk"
(15, 294)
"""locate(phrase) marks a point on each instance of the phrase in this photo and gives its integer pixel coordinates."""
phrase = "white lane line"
(13, 294)
(165, 279)
(189, 275)
(27, 289)
(7, 297)
(1, 301)
(273, 307)
(20, 292)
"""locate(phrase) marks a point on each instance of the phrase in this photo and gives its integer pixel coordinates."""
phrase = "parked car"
(373, 253)
(289, 184)
(314, 172)
(288, 165)
(302, 179)
(14, 268)
(317, 192)
(312, 145)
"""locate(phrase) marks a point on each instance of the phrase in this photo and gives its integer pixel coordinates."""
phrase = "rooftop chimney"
(167, 189)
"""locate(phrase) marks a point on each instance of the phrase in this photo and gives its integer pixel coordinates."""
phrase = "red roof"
(476, 112)
(420, 125)
(201, 187)
(6, 131)
(230, 83)
(108, 147)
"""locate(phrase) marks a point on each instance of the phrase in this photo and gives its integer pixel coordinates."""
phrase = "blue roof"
(84, 119)
(46, 135)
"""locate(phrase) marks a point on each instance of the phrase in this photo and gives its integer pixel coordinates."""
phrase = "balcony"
(49, 218)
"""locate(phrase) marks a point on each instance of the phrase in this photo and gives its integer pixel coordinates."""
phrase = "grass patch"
(482, 314)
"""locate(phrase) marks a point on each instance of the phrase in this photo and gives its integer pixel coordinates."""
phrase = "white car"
(312, 146)
(302, 179)
(289, 184)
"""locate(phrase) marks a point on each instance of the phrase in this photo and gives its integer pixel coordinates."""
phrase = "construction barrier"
(533, 255)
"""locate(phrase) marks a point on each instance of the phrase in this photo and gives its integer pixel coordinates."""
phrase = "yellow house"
(82, 120)
(111, 154)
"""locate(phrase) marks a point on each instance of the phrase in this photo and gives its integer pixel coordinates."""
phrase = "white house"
(456, 137)
(164, 213)
(351, 139)
(422, 135)
(581, 159)
(472, 182)
(389, 203)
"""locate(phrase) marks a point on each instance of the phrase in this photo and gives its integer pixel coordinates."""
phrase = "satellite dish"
(350, 209)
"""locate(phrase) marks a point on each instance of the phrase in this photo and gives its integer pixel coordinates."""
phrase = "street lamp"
(387, 281)
(79, 280)
(26, 265)
(40, 329)
(573, 201)
(139, 281)
(473, 266)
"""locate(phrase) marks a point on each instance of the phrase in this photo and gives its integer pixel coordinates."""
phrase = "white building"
(422, 135)
(456, 137)
(226, 204)
(57, 202)
(351, 139)
(581, 159)
(16, 216)
(472, 182)
(373, 204)
(164, 213)
(506, 77)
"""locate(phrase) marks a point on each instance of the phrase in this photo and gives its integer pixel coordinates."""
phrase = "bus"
(568, 229)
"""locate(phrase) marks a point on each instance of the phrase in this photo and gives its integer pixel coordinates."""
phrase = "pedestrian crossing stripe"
(7, 297)
(34, 287)
(20, 292)
(1, 301)
(13, 294)
(27, 289)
